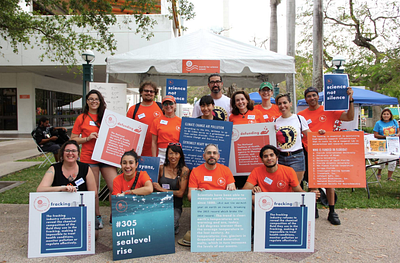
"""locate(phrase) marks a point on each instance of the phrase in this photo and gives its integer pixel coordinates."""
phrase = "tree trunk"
(291, 41)
(318, 45)
(273, 43)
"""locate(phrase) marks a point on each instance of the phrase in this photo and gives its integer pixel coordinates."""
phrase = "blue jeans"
(295, 161)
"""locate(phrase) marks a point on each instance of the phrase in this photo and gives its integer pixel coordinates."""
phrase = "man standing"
(45, 137)
(222, 107)
(146, 111)
(211, 175)
(322, 121)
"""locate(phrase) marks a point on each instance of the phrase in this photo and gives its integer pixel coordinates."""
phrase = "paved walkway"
(366, 235)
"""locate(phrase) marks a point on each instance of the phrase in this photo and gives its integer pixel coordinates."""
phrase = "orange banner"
(336, 160)
(200, 66)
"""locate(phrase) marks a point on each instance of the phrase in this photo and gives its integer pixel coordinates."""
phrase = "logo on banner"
(41, 204)
(200, 66)
(286, 137)
(266, 203)
(235, 134)
(221, 181)
(111, 120)
(121, 206)
(281, 184)
(322, 118)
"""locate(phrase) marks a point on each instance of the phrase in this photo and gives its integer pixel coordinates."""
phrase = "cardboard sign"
(284, 222)
(336, 160)
(196, 134)
(247, 141)
(335, 92)
(200, 66)
(61, 224)
(114, 95)
(178, 89)
(118, 134)
(143, 225)
(220, 221)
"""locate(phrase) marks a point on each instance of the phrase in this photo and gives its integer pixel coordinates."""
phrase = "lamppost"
(87, 56)
(338, 61)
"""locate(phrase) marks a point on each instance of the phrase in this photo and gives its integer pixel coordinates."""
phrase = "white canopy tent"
(240, 63)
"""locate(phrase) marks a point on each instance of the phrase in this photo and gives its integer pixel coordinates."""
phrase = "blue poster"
(143, 225)
(151, 165)
(178, 89)
(335, 92)
(221, 221)
(198, 133)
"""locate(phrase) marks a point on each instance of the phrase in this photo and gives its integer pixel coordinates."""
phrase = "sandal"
(391, 179)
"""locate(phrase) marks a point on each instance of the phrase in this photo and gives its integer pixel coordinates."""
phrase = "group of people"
(284, 163)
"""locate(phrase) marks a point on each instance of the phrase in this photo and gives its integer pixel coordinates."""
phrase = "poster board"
(178, 89)
(142, 225)
(284, 222)
(336, 160)
(196, 134)
(392, 145)
(335, 92)
(114, 94)
(377, 146)
(118, 134)
(247, 141)
(151, 165)
(221, 221)
(61, 224)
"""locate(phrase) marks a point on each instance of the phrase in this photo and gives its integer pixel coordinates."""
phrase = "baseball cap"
(266, 85)
(310, 89)
(170, 98)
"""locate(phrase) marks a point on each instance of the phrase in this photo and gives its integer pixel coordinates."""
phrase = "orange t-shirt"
(146, 115)
(85, 126)
(120, 185)
(167, 130)
(251, 116)
(271, 114)
(282, 180)
(217, 179)
(319, 119)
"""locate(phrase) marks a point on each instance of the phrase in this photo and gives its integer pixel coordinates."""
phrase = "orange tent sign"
(336, 160)
(200, 66)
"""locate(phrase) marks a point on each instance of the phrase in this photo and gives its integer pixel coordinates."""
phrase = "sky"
(247, 19)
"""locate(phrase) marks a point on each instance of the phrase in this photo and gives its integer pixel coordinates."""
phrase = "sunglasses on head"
(176, 144)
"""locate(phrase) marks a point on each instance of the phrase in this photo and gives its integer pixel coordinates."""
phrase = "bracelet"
(352, 101)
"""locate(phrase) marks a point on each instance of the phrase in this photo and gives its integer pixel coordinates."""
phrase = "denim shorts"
(100, 165)
(296, 161)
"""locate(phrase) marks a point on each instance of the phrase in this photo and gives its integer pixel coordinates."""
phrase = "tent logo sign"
(200, 66)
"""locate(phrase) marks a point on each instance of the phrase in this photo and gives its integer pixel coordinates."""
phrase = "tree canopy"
(61, 28)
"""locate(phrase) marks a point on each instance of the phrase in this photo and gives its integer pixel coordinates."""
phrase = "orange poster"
(200, 66)
(336, 160)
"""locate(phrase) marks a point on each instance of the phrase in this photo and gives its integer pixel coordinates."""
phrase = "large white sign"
(114, 94)
(284, 222)
(117, 135)
(61, 224)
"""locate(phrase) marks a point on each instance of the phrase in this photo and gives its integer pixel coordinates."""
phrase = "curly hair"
(148, 83)
(250, 103)
(62, 149)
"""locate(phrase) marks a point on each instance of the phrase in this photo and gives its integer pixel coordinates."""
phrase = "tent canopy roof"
(363, 97)
(239, 61)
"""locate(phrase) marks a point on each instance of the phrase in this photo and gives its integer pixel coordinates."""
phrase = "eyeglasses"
(149, 91)
(215, 82)
(93, 100)
(176, 144)
(168, 103)
(265, 90)
(71, 151)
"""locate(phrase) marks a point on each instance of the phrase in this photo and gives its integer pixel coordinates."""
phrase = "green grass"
(387, 196)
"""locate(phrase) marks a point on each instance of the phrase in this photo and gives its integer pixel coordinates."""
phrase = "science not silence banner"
(142, 225)
(61, 224)
(221, 221)
(284, 222)
(117, 135)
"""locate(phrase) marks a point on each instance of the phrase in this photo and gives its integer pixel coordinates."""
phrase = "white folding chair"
(45, 154)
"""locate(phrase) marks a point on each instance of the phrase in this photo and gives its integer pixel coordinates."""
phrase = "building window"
(8, 109)
(61, 108)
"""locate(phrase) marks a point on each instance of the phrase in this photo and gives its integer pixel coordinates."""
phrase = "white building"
(30, 88)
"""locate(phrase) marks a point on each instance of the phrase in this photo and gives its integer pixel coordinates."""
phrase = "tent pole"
(107, 78)
(294, 93)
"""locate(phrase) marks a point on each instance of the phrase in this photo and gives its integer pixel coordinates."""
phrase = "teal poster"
(221, 220)
(142, 225)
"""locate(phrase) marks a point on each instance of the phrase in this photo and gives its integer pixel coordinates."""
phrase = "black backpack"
(137, 108)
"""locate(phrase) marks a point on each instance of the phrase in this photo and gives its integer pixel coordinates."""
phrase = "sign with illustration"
(284, 222)
(118, 134)
(61, 224)
(196, 134)
(221, 221)
(247, 141)
(142, 225)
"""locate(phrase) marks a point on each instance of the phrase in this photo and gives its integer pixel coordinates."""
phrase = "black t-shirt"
(60, 179)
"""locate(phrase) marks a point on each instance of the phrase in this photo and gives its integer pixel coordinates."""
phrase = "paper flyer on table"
(247, 141)
(284, 222)
(117, 135)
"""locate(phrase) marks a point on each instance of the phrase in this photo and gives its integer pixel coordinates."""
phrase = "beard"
(211, 161)
(271, 165)
(216, 89)
(146, 99)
